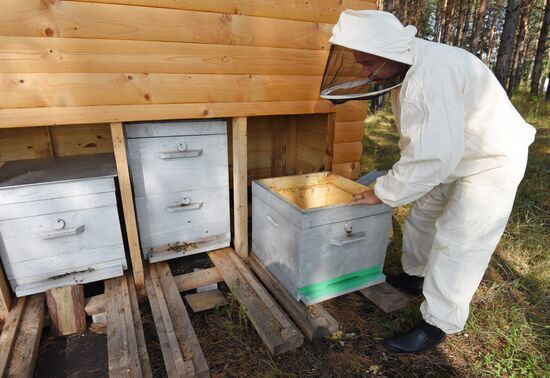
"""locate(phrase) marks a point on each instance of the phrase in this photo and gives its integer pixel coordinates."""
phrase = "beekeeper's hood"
(373, 32)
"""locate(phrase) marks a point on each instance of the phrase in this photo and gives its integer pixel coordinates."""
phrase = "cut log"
(66, 310)
(314, 321)
(278, 333)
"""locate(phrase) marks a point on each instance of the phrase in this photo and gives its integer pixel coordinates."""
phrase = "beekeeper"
(463, 153)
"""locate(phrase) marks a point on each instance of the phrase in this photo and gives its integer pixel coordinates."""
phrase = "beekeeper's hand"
(367, 197)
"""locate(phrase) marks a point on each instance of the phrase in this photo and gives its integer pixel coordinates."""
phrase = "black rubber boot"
(409, 284)
(420, 338)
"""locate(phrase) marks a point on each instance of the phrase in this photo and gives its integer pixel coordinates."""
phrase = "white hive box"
(316, 245)
(181, 186)
(59, 222)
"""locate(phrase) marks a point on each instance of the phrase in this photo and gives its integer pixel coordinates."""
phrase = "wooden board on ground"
(125, 339)
(199, 278)
(314, 321)
(24, 354)
(66, 310)
(386, 297)
(180, 347)
(9, 332)
(278, 333)
(206, 300)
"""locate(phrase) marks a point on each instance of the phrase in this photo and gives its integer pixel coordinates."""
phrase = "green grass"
(508, 332)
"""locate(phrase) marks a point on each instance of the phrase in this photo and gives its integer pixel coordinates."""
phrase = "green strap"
(341, 283)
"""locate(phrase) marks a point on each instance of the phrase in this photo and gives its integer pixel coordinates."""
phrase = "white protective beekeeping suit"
(463, 153)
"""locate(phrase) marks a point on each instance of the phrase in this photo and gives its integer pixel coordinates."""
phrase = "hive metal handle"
(184, 207)
(54, 234)
(179, 154)
(347, 240)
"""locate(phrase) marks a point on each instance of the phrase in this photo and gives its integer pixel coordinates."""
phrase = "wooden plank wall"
(73, 54)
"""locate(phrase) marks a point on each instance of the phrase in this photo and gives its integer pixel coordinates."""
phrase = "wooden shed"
(72, 72)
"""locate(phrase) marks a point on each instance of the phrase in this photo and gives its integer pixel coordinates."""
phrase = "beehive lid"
(314, 190)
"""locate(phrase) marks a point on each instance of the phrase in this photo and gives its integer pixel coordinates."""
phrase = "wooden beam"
(82, 139)
(314, 321)
(351, 170)
(5, 295)
(184, 282)
(278, 333)
(386, 297)
(193, 280)
(35, 90)
(176, 318)
(10, 118)
(138, 328)
(240, 187)
(119, 146)
(64, 55)
(25, 352)
(351, 131)
(66, 310)
(68, 19)
(313, 10)
(9, 333)
(346, 152)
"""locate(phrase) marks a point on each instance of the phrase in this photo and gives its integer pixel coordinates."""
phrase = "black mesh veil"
(342, 80)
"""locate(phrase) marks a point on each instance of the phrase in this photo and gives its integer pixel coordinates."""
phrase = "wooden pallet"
(180, 347)
(314, 321)
(125, 339)
(20, 337)
(278, 333)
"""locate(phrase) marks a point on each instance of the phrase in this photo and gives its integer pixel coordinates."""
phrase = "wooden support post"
(314, 321)
(5, 296)
(278, 333)
(330, 141)
(240, 186)
(66, 309)
(119, 149)
(28, 338)
(9, 332)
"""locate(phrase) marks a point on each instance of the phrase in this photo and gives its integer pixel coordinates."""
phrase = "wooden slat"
(128, 318)
(123, 172)
(9, 332)
(352, 111)
(206, 300)
(138, 328)
(28, 338)
(204, 277)
(352, 131)
(183, 328)
(62, 55)
(346, 152)
(10, 118)
(44, 90)
(95, 305)
(66, 310)
(311, 143)
(386, 297)
(66, 19)
(311, 10)
(117, 333)
(350, 170)
(240, 186)
(81, 139)
(5, 294)
(276, 330)
(314, 321)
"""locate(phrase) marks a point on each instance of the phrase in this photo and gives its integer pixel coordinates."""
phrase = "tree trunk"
(437, 24)
(448, 21)
(520, 46)
(494, 13)
(478, 23)
(459, 23)
(388, 6)
(548, 88)
(466, 28)
(507, 39)
(541, 47)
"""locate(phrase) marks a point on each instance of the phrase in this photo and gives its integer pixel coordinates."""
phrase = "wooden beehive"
(316, 245)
